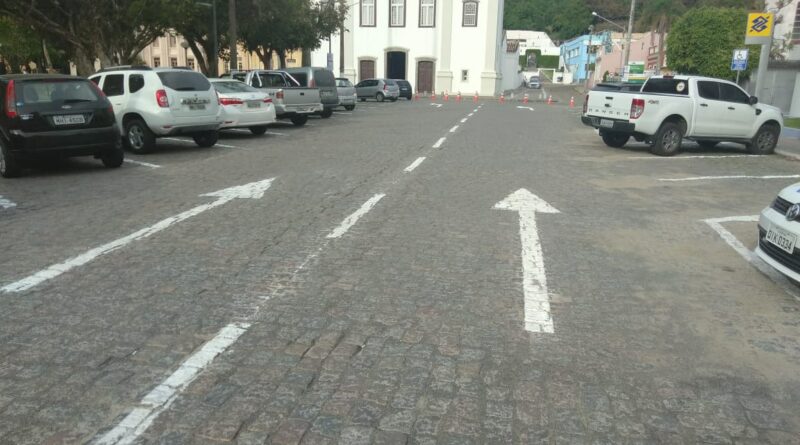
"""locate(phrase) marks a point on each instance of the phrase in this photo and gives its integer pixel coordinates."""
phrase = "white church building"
(437, 45)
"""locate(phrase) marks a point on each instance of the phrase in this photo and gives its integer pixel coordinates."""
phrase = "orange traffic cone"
(572, 102)
(416, 95)
(502, 98)
(458, 98)
(525, 99)
(433, 96)
(475, 98)
(550, 100)
(446, 96)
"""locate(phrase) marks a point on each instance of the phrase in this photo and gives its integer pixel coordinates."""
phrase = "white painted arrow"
(437, 105)
(534, 280)
(6, 203)
(253, 190)
(524, 108)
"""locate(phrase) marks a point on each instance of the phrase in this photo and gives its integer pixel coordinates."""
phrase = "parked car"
(244, 106)
(534, 82)
(347, 93)
(379, 89)
(778, 230)
(291, 100)
(55, 115)
(150, 103)
(671, 108)
(322, 78)
(405, 88)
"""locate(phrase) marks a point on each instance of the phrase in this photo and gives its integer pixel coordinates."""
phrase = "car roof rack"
(125, 68)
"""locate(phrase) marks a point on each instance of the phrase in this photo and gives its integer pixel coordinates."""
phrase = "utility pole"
(213, 60)
(628, 37)
(232, 34)
(341, 46)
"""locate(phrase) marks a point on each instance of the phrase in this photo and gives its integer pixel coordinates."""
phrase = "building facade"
(646, 48)
(533, 40)
(579, 55)
(437, 45)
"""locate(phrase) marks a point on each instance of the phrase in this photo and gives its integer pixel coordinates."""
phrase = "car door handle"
(704, 105)
(731, 108)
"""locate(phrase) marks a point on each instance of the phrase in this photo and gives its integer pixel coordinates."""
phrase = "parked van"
(324, 80)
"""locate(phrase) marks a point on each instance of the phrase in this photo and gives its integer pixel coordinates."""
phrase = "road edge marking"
(707, 178)
(353, 218)
(439, 142)
(142, 163)
(414, 164)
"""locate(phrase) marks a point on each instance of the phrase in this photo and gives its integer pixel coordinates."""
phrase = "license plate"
(69, 119)
(782, 239)
(254, 104)
(606, 123)
(197, 107)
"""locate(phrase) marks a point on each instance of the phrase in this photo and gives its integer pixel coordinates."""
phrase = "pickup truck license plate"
(606, 123)
(197, 107)
(69, 119)
(253, 104)
(782, 239)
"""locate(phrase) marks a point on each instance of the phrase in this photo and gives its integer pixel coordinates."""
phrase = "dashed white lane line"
(453, 130)
(6, 203)
(163, 395)
(145, 164)
(253, 190)
(472, 114)
(414, 164)
(710, 178)
(192, 142)
(439, 142)
(463, 120)
(678, 158)
(351, 220)
(475, 110)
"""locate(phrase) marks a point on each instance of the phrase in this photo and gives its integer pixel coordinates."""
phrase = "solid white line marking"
(414, 164)
(192, 142)
(275, 134)
(163, 395)
(439, 142)
(704, 178)
(253, 190)
(695, 157)
(538, 317)
(342, 112)
(453, 130)
(146, 164)
(6, 203)
(355, 216)
(463, 120)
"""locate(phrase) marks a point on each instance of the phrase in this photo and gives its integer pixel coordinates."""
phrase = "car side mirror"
(753, 100)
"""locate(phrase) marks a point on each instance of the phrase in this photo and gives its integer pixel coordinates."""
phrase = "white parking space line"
(351, 220)
(710, 178)
(439, 142)
(453, 130)
(5, 203)
(343, 112)
(275, 134)
(475, 110)
(414, 164)
(187, 141)
(163, 395)
(145, 164)
(253, 190)
(717, 225)
(472, 114)
(463, 120)
(678, 158)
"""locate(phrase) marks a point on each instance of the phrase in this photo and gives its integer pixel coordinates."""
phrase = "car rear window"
(46, 92)
(234, 87)
(666, 86)
(184, 80)
(300, 77)
(343, 83)
(390, 82)
(324, 78)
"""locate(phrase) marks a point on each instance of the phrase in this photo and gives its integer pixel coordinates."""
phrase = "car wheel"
(206, 139)
(300, 120)
(379, 97)
(258, 130)
(9, 167)
(362, 99)
(138, 137)
(349, 107)
(668, 139)
(113, 158)
(326, 113)
(616, 140)
(764, 141)
(708, 145)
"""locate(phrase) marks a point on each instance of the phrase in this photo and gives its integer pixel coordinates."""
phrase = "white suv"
(156, 102)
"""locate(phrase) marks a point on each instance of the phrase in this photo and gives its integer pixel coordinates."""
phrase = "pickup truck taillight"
(11, 100)
(385, 87)
(230, 101)
(586, 104)
(268, 100)
(279, 95)
(162, 99)
(637, 108)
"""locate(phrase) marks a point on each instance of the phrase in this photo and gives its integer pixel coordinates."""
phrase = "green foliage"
(703, 41)
(18, 44)
(561, 20)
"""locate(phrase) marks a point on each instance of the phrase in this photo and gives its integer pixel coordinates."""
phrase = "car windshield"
(184, 80)
(234, 87)
(51, 92)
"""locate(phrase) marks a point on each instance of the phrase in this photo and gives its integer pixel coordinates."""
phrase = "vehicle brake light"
(586, 104)
(162, 99)
(11, 100)
(268, 100)
(279, 95)
(312, 83)
(637, 108)
(385, 87)
(230, 101)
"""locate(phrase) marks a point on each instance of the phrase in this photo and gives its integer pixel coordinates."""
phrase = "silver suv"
(156, 102)
(379, 89)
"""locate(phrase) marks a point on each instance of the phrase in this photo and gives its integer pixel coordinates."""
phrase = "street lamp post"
(626, 47)
(213, 65)
(185, 46)
(588, 55)
(630, 30)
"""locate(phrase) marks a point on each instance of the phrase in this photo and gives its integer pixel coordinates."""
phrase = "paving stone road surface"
(361, 300)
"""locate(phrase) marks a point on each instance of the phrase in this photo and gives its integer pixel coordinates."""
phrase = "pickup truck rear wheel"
(300, 120)
(206, 139)
(616, 140)
(349, 107)
(379, 97)
(764, 141)
(258, 130)
(326, 113)
(668, 139)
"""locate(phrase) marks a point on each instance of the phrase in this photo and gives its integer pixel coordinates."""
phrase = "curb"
(787, 154)
(790, 133)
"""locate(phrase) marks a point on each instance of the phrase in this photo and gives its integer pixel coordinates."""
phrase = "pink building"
(644, 48)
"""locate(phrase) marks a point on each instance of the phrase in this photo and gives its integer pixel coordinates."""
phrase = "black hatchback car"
(405, 88)
(50, 115)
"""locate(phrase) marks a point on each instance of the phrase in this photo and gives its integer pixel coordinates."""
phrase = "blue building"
(574, 53)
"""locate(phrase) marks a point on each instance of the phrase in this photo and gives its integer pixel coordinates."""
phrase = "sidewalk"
(789, 143)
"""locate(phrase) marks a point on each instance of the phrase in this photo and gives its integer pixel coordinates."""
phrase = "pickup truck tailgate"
(301, 99)
(609, 104)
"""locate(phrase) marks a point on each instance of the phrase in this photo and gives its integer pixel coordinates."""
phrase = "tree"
(113, 31)
(192, 20)
(703, 42)
(18, 45)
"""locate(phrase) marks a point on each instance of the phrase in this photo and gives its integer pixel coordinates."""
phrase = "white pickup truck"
(671, 108)
(291, 100)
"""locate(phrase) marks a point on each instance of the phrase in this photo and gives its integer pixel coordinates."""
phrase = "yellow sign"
(759, 24)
